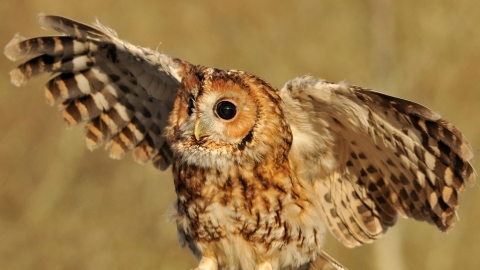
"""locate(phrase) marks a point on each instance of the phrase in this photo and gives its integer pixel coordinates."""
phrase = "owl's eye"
(191, 106)
(226, 110)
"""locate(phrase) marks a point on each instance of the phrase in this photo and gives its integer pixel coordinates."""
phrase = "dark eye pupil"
(226, 110)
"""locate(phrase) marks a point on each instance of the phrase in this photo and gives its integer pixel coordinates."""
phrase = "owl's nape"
(259, 173)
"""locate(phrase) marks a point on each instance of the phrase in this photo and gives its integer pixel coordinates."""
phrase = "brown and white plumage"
(260, 173)
(387, 156)
(124, 92)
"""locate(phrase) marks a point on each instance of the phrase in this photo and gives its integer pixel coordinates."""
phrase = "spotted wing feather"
(371, 156)
(123, 92)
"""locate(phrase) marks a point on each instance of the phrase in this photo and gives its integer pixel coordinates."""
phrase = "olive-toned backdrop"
(62, 207)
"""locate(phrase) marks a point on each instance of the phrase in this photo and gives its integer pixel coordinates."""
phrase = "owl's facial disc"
(224, 112)
(219, 117)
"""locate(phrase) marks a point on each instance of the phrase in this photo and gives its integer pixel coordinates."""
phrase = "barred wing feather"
(123, 92)
(389, 156)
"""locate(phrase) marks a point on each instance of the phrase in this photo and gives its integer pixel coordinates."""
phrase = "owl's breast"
(261, 210)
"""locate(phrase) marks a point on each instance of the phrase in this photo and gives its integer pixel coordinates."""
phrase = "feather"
(123, 92)
(389, 156)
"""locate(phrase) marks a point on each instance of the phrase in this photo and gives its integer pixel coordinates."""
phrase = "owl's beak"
(198, 129)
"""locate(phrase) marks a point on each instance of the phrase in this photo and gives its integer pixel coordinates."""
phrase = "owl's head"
(221, 118)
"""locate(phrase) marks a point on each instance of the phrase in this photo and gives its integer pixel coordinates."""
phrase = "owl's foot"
(207, 263)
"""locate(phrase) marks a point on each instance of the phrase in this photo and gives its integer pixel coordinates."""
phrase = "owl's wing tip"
(12, 50)
(41, 17)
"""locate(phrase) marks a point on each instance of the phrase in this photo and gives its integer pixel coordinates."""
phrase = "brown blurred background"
(62, 207)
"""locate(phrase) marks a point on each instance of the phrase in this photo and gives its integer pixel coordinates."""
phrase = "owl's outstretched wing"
(123, 92)
(371, 156)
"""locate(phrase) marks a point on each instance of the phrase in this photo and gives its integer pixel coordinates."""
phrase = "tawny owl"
(260, 173)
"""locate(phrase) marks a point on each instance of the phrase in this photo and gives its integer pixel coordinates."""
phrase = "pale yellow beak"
(198, 129)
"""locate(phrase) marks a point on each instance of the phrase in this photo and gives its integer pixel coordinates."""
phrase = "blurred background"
(63, 207)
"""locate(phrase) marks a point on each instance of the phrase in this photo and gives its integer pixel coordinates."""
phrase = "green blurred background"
(62, 207)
